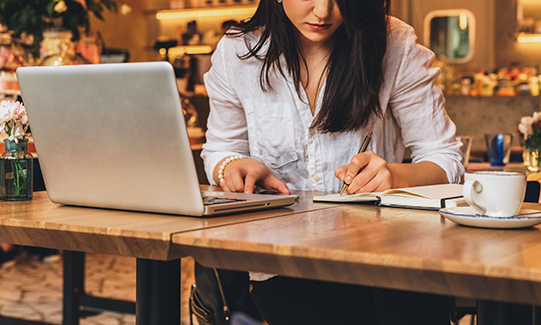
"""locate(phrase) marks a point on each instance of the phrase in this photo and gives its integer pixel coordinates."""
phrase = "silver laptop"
(114, 136)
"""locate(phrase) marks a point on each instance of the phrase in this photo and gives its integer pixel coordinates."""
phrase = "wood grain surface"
(513, 167)
(41, 223)
(404, 249)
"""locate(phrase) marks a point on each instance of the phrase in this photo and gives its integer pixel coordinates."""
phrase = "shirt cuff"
(211, 159)
(454, 170)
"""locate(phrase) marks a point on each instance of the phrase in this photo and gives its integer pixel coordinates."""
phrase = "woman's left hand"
(367, 172)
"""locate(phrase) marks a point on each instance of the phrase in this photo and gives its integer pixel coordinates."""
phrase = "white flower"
(60, 7)
(18, 109)
(525, 125)
(125, 9)
(5, 111)
(13, 119)
(17, 132)
(528, 123)
(536, 116)
(525, 129)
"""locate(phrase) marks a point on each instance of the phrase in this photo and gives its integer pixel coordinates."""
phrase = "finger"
(367, 184)
(271, 182)
(283, 189)
(375, 177)
(249, 183)
(378, 183)
(236, 180)
(383, 186)
(223, 185)
(340, 172)
(358, 162)
(360, 183)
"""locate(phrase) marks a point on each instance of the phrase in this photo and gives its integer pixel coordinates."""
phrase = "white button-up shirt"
(273, 126)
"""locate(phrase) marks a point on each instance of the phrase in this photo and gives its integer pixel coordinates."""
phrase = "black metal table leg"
(158, 292)
(537, 315)
(75, 297)
(74, 268)
(500, 313)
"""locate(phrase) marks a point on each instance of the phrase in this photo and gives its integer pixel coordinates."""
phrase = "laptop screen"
(112, 135)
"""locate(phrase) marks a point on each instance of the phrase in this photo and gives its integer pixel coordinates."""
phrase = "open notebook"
(432, 197)
(114, 136)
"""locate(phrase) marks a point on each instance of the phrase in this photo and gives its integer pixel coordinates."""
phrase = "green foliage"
(533, 141)
(34, 16)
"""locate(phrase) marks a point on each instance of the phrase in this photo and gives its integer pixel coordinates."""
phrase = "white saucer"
(466, 216)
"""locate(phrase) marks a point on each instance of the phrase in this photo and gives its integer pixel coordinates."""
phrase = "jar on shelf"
(57, 48)
(531, 160)
(89, 47)
(177, 4)
(11, 55)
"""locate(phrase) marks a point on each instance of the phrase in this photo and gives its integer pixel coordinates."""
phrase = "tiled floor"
(32, 289)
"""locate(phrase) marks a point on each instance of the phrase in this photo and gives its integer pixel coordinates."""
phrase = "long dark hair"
(354, 70)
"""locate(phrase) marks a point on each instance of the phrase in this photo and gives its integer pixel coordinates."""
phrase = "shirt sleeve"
(419, 108)
(227, 132)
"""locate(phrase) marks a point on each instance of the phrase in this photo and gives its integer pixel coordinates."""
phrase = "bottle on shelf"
(465, 86)
(12, 56)
(57, 48)
(533, 81)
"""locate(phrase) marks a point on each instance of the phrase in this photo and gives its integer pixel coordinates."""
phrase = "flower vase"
(17, 171)
(531, 159)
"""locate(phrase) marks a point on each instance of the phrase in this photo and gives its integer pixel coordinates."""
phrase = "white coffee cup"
(495, 193)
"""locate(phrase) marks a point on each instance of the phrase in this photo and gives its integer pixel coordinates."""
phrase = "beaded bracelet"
(225, 163)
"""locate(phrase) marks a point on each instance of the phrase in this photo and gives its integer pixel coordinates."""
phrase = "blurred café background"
(488, 51)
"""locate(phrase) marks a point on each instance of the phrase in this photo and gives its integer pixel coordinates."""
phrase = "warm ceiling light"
(203, 13)
(529, 38)
(463, 21)
(190, 50)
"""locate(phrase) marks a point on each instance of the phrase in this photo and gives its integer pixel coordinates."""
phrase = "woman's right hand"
(241, 175)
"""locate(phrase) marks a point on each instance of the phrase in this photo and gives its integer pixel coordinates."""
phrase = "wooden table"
(515, 167)
(403, 249)
(145, 236)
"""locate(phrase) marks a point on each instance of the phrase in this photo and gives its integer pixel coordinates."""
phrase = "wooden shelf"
(207, 12)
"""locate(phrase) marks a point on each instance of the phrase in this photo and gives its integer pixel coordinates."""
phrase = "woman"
(293, 92)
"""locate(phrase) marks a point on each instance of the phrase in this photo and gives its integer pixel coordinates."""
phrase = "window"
(450, 33)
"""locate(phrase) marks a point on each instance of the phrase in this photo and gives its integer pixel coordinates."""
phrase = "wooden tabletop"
(41, 223)
(404, 249)
(514, 167)
(519, 167)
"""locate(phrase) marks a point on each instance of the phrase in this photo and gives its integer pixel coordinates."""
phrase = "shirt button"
(315, 178)
(312, 132)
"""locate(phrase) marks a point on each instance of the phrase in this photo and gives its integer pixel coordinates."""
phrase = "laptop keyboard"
(208, 200)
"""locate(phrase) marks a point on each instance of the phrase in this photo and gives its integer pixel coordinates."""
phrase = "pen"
(364, 145)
